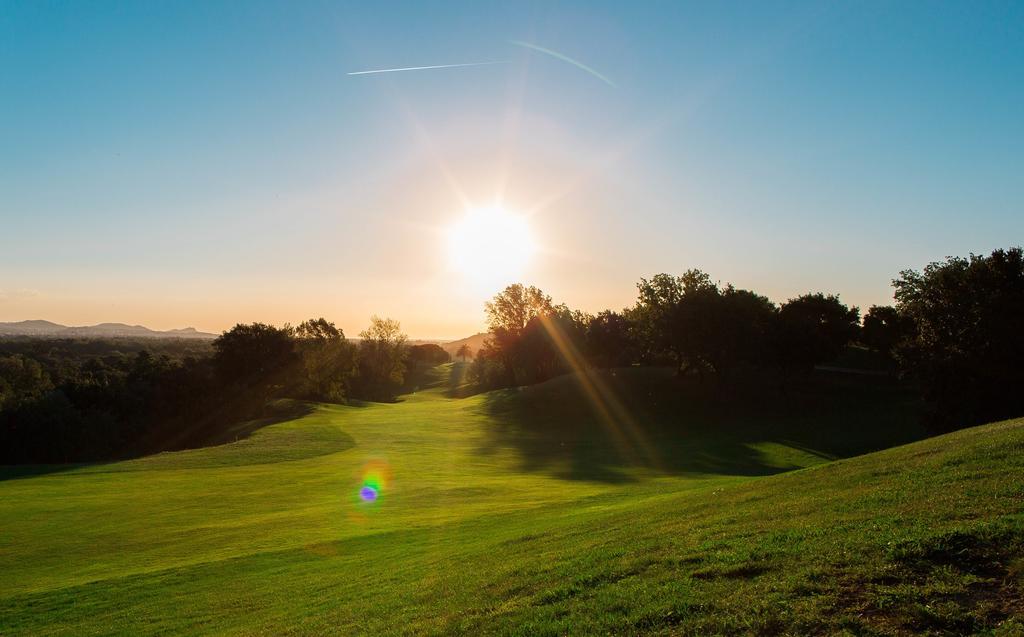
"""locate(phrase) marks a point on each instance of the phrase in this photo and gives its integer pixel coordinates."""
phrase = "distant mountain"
(30, 328)
(48, 329)
(475, 342)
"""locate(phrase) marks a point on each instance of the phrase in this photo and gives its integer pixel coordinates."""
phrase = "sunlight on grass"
(473, 530)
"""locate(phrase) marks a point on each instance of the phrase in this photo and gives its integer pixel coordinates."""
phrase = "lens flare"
(374, 479)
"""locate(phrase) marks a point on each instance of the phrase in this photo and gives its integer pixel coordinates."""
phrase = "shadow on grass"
(600, 426)
(275, 412)
(458, 382)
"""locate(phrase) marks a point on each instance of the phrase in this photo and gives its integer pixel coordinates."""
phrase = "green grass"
(525, 512)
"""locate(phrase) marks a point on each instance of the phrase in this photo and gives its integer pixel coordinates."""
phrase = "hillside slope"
(478, 531)
(475, 342)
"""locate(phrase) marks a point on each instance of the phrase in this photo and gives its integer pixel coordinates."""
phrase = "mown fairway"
(533, 512)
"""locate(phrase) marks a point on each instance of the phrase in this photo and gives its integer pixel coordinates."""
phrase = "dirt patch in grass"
(740, 571)
(957, 582)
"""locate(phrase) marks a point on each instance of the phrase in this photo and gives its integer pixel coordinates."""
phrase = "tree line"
(954, 332)
(90, 400)
(688, 322)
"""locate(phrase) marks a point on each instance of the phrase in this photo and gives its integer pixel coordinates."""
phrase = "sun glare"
(490, 246)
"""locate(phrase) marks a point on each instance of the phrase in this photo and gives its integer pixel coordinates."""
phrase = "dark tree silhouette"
(532, 339)
(502, 361)
(22, 379)
(732, 327)
(328, 360)
(318, 329)
(256, 357)
(813, 329)
(611, 340)
(665, 315)
(968, 341)
(657, 303)
(513, 308)
(382, 355)
(884, 328)
(427, 355)
(699, 325)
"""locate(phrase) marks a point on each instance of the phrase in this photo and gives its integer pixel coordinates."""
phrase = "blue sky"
(206, 163)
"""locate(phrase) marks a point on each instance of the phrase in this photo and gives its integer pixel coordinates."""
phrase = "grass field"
(612, 504)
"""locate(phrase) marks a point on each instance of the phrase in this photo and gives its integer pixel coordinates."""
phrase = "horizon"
(213, 333)
(546, 318)
(220, 164)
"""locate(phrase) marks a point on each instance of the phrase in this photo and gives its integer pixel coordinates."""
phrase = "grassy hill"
(475, 342)
(609, 504)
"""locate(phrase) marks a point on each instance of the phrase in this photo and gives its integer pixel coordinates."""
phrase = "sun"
(490, 246)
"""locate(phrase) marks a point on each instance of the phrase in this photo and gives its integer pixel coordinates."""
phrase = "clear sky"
(207, 163)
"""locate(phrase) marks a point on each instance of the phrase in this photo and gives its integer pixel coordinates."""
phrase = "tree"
(665, 323)
(328, 361)
(464, 352)
(258, 357)
(509, 314)
(532, 339)
(549, 345)
(382, 354)
(885, 328)
(967, 344)
(703, 326)
(22, 379)
(318, 329)
(427, 355)
(611, 340)
(514, 307)
(733, 327)
(812, 329)
(657, 300)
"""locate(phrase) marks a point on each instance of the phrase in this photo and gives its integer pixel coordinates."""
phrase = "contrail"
(421, 68)
(564, 58)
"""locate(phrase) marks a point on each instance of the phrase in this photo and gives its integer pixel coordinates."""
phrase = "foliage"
(699, 325)
(716, 329)
(657, 310)
(885, 328)
(382, 353)
(113, 408)
(689, 320)
(511, 310)
(968, 343)
(955, 328)
(318, 330)
(68, 401)
(21, 380)
(256, 357)
(532, 339)
(742, 328)
(611, 340)
(813, 329)
(328, 360)
(427, 355)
